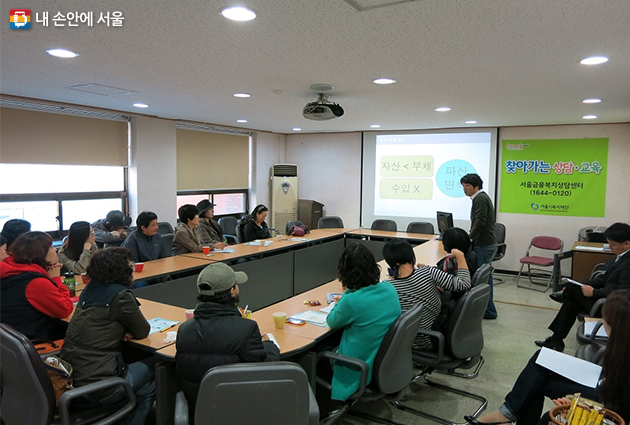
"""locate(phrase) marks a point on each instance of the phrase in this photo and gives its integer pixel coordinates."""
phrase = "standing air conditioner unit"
(284, 195)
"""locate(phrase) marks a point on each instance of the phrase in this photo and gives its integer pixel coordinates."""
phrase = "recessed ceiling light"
(384, 81)
(140, 105)
(297, 129)
(238, 13)
(470, 122)
(62, 53)
(594, 60)
(241, 120)
(591, 100)
(242, 95)
(590, 117)
(375, 126)
(443, 109)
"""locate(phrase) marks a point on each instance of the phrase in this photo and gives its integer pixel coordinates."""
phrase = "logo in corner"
(535, 206)
(20, 19)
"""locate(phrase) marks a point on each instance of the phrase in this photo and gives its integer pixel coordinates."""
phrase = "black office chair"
(290, 224)
(330, 222)
(387, 225)
(250, 393)
(164, 227)
(499, 232)
(593, 351)
(229, 226)
(482, 275)
(28, 396)
(167, 240)
(421, 227)
(460, 348)
(393, 366)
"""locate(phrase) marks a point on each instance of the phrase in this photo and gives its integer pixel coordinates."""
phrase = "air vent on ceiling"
(363, 5)
(213, 129)
(33, 106)
(101, 89)
(285, 170)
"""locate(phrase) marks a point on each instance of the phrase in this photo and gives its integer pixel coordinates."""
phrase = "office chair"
(482, 275)
(167, 240)
(594, 350)
(290, 224)
(387, 225)
(229, 226)
(28, 396)
(330, 222)
(251, 393)
(534, 262)
(164, 227)
(459, 348)
(393, 366)
(499, 232)
(421, 227)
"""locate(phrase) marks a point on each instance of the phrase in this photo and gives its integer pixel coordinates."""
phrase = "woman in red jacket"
(33, 294)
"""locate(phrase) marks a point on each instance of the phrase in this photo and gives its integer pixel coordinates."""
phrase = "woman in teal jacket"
(365, 312)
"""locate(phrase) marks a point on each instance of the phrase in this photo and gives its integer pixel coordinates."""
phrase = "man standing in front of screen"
(482, 220)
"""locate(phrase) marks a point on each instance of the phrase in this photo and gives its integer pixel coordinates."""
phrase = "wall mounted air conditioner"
(283, 195)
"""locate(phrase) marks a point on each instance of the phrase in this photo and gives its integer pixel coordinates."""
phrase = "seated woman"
(524, 404)
(145, 243)
(457, 238)
(33, 295)
(76, 251)
(209, 230)
(186, 238)
(365, 312)
(256, 228)
(107, 314)
(422, 285)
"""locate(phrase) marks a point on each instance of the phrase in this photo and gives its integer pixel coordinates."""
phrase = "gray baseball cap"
(218, 277)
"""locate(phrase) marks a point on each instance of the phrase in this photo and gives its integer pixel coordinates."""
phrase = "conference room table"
(297, 342)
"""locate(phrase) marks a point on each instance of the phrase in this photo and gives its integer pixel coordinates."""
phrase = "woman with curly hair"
(365, 312)
(78, 247)
(106, 315)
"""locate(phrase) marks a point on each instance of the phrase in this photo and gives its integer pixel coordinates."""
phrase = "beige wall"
(329, 171)
(329, 168)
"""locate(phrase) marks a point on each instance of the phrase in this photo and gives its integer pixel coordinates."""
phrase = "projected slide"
(414, 175)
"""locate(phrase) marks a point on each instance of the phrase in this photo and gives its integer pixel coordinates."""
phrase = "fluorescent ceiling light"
(375, 126)
(590, 117)
(238, 13)
(594, 60)
(470, 122)
(443, 109)
(384, 81)
(242, 95)
(297, 129)
(591, 100)
(140, 105)
(241, 120)
(62, 53)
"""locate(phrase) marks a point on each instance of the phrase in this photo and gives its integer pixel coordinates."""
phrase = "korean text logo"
(20, 19)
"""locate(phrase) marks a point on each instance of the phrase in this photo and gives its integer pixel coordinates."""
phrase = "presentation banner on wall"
(564, 177)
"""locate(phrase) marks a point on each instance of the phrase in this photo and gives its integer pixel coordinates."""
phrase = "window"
(227, 202)
(52, 197)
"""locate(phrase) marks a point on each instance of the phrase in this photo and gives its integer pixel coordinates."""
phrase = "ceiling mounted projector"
(322, 110)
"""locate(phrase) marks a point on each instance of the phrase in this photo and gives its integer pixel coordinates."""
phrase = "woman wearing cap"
(106, 315)
(210, 233)
(256, 228)
(217, 334)
(77, 250)
(186, 238)
(111, 230)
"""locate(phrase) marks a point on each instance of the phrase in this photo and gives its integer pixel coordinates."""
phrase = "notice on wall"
(565, 177)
